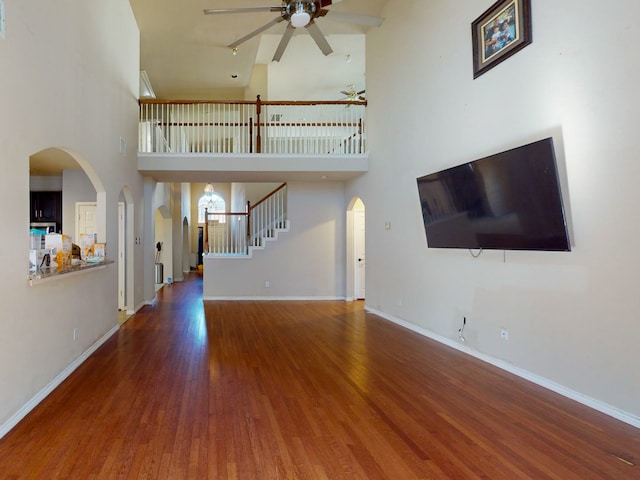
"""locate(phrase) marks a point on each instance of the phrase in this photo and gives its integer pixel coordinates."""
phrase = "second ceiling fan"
(297, 14)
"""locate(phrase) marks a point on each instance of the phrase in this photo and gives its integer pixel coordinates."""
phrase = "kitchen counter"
(47, 274)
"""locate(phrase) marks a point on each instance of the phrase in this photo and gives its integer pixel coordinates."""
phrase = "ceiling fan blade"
(326, 3)
(319, 38)
(273, 22)
(214, 11)
(357, 18)
(288, 33)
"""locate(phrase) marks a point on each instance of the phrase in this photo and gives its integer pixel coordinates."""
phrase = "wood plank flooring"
(302, 390)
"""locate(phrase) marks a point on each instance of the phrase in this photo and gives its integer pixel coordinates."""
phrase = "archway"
(164, 245)
(71, 173)
(126, 243)
(72, 168)
(186, 251)
(356, 255)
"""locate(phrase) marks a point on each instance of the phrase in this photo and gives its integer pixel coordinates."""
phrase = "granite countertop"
(47, 273)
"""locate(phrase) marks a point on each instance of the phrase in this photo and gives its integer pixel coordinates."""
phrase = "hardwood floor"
(302, 390)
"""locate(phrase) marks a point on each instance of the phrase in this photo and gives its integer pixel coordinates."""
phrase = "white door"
(121, 256)
(85, 219)
(359, 238)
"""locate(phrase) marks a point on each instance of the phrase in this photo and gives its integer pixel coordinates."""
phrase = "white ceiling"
(185, 56)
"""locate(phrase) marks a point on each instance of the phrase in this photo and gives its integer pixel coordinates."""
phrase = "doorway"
(121, 256)
(86, 225)
(86, 215)
(356, 254)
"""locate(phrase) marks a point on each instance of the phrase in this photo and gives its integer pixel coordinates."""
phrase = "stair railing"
(267, 216)
(234, 233)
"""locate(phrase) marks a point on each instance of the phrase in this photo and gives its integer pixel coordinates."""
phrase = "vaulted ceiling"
(185, 53)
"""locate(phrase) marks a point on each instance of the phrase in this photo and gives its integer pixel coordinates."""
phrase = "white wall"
(254, 192)
(49, 183)
(573, 318)
(70, 80)
(303, 62)
(305, 262)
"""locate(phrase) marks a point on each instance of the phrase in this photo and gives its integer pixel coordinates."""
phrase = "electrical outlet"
(267, 284)
(504, 334)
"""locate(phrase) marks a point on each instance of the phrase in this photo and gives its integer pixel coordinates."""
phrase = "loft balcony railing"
(247, 127)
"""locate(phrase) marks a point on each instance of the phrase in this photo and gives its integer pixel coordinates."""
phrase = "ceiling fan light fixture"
(300, 19)
(301, 16)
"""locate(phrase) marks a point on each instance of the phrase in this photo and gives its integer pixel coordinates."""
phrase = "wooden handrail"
(237, 236)
(263, 199)
(244, 126)
(228, 213)
(202, 124)
(153, 101)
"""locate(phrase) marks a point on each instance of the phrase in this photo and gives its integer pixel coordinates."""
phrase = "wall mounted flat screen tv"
(507, 201)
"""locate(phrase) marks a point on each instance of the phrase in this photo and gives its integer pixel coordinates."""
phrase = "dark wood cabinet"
(47, 207)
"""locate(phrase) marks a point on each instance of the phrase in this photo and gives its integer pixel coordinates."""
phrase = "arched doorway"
(126, 243)
(164, 245)
(356, 254)
(186, 251)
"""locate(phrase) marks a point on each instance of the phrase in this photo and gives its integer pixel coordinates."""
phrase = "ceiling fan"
(352, 95)
(297, 14)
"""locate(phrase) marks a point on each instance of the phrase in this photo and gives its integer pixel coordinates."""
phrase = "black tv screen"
(508, 201)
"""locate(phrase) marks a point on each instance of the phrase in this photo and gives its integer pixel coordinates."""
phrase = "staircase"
(243, 232)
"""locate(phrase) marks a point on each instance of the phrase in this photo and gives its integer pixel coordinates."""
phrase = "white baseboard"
(42, 394)
(134, 311)
(522, 373)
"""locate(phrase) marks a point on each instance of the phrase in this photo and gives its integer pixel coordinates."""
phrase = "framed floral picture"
(501, 31)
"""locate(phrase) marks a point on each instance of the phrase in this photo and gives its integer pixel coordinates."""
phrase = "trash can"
(159, 273)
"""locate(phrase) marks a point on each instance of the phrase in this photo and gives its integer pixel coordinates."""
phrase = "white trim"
(2, 21)
(140, 305)
(269, 299)
(42, 394)
(602, 407)
(146, 90)
(122, 267)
